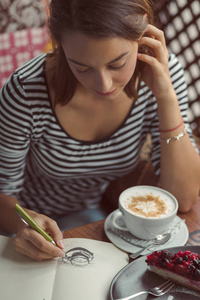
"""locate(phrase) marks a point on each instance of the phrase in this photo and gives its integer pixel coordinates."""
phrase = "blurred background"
(180, 21)
(23, 36)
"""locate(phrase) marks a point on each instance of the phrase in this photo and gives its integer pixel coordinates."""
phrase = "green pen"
(26, 218)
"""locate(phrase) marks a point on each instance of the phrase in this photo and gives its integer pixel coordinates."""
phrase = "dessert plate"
(136, 277)
(179, 237)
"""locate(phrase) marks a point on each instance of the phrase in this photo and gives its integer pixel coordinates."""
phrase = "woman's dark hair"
(96, 19)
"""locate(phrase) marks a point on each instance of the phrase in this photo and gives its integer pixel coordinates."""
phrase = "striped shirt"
(52, 173)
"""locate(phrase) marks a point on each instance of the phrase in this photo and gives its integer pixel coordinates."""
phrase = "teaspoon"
(159, 240)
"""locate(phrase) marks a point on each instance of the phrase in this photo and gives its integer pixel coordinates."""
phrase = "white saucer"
(179, 238)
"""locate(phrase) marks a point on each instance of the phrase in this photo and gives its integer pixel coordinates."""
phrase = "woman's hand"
(32, 244)
(156, 73)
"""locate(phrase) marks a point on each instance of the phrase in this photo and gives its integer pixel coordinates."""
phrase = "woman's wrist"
(176, 137)
(171, 129)
(170, 118)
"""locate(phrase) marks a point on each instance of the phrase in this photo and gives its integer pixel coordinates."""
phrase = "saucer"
(179, 237)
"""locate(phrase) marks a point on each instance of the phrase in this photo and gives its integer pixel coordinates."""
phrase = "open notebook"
(24, 279)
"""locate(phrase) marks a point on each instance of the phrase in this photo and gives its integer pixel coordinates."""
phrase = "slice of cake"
(182, 267)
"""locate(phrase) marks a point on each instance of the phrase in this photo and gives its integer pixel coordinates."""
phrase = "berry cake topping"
(185, 263)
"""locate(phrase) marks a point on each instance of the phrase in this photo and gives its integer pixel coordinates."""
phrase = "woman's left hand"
(156, 72)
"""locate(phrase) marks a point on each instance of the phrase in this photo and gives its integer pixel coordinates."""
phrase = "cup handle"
(113, 220)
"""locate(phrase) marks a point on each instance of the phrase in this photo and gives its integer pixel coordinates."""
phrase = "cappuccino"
(149, 205)
(146, 211)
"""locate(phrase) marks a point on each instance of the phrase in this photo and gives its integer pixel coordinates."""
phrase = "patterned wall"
(16, 48)
(180, 20)
(21, 14)
(22, 34)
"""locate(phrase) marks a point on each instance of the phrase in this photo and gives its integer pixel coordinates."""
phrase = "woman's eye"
(118, 68)
(82, 71)
(110, 67)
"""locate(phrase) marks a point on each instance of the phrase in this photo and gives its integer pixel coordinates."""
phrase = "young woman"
(75, 119)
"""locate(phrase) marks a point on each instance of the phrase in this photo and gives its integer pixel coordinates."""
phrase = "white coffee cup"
(146, 211)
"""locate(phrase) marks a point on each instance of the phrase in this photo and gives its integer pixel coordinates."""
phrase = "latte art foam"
(148, 206)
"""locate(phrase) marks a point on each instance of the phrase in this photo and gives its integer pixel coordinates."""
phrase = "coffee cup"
(146, 211)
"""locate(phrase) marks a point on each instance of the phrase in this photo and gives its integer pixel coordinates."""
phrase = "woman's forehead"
(78, 45)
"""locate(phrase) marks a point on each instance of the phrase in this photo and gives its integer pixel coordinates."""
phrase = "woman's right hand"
(32, 244)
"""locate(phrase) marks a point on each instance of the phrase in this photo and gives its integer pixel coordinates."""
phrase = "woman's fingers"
(154, 40)
(156, 72)
(52, 228)
(155, 48)
(32, 244)
(44, 246)
(155, 33)
(157, 55)
(29, 250)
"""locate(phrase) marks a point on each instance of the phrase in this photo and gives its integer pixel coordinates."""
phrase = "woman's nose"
(103, 82)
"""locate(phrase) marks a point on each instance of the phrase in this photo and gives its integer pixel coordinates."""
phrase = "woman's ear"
(145, 18)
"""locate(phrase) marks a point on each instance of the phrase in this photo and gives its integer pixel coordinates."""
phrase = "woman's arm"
(180, 162)
(15, 132)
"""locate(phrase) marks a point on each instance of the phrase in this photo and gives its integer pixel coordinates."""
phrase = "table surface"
(96, 230)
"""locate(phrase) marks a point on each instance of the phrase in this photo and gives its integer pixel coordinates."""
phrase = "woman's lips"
(106, 94)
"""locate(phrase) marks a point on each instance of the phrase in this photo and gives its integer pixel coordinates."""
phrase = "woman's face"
(103, 66)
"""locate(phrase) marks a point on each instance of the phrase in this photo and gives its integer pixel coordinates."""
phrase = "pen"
(26, 218)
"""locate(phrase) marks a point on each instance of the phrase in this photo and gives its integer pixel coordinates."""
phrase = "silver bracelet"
(177, 137)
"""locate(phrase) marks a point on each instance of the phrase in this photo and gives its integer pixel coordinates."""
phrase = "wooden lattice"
(180, 21)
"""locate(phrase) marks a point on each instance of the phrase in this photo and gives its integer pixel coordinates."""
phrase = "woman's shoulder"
(26, 81)
(32, 72)
(32, 69)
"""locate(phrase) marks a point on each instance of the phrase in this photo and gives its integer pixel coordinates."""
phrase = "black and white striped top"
(53, 173)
